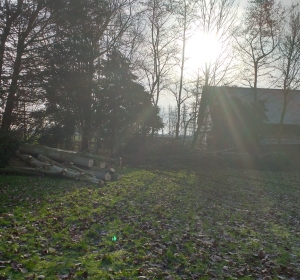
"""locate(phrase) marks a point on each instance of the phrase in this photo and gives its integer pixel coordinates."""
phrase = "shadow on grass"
(208, 224)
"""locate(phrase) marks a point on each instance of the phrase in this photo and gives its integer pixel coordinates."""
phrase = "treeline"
(98, 68)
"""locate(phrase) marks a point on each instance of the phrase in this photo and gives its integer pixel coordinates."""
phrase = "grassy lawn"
(153, 224)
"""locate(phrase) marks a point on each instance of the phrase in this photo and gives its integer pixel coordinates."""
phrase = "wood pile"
(82, 166)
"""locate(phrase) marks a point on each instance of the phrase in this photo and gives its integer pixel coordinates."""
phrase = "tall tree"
(257, 39)
(216, 19)
(185, 12)
(87, 30)
(159, 45)
(123, 107)
(31, 23)
(288, 64)
(9, 14)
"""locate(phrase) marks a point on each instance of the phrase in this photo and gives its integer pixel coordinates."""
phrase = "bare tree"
(289, 61)
(185, 12)
(29, 26)
(171, 120)
(181, 96)
(257, 39)
(216, 18)
(9, 13)
(159, 47)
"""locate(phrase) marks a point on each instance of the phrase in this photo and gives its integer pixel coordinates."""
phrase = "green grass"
(218, 224)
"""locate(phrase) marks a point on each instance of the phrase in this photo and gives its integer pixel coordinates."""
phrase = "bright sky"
(201, 49)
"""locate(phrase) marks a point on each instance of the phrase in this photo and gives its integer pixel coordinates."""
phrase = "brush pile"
(83, 166)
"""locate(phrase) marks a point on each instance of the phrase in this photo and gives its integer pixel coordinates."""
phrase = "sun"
(202, 49)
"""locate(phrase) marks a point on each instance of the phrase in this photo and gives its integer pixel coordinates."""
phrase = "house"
(235, 117)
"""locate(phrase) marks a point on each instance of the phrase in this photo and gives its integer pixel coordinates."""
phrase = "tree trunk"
(108, 170)
(282, 117)
(101, 159)
(102, 175)
(201, 114)
(43, 158)
(71, 174)
(20, 171)
(81, 171)
(68, 165)
(43, 167)
(10, 102)
(87, 106)
(91, 180)
(85, 137)
(57, 154)
(181, 76)
(74, 174)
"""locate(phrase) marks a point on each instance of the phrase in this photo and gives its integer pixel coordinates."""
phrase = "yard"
(153, 224)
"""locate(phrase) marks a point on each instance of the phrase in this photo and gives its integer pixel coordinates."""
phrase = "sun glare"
(201, 49)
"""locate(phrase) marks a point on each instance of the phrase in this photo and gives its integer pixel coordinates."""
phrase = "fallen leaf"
(15, 265)
(64, 276)
(23, 270)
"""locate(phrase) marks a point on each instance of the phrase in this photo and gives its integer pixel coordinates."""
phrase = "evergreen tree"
(124, 108)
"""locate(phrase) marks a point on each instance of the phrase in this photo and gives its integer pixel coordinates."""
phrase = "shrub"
(9, 143)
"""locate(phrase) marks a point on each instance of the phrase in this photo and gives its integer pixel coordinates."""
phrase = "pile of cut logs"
(83, 166)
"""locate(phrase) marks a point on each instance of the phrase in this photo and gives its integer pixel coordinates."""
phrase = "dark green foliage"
(9, 142)
(89, 88)
(52, 136)
(123, 107)
(151, 121)
(71, 85)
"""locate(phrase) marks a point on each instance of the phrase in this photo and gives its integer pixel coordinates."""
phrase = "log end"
(101, 182)
(107, 177)
(90, 163)
(102, 164)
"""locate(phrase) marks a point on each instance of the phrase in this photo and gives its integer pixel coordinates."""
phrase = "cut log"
(91, 180)
(102, 164)
(30, 169)
(52, 170)
(81, 171)
(98, 169)
(31, 160)
(116, 177)
(71, 174)
(57, 154)
(102, 159)
(43, 158)
(102, 175)
(21, 171)
(43, 167)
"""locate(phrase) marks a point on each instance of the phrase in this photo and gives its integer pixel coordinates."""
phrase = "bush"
(9, 143)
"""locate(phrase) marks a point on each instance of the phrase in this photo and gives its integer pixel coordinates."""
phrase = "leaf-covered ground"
(153, 224)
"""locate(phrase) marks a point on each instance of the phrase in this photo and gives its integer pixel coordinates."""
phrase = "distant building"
(231, 110)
